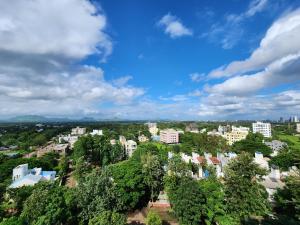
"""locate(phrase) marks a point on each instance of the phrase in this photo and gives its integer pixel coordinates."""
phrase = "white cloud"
(41, 43)
(282, 71)
(197, 77)
(174, 27)
(121, 81)
(68, 28)
(54, 93)
(280, 41)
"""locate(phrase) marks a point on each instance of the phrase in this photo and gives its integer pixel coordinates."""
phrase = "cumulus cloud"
(247, 88)
(70, 28)
(174, 27)
(280, 40)
(282, 71)
(41, 44)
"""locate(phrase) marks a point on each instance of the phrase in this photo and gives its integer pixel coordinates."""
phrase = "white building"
(298, 127)
(263, 128)
(130, 147)
(152, 128)
(78, 131)
(261, 161)
(143, 138)
(96, 132)
(22, 176)
(169, 136)
(69, 139)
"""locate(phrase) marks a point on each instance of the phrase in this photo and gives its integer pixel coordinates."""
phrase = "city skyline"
(198, 60)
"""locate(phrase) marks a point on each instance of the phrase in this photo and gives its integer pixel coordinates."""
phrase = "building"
(236, 134)
(261, 161)
(276, 146)
(152, 128)
(78, 131)
(224, 129)
(122, 140)
(169, 136)
(130, 147)
(298, 127)
(192, 127)
(263, 128)
(22, 176)
(294, 119)
(68, 139)
(96, 132)
(143, 138)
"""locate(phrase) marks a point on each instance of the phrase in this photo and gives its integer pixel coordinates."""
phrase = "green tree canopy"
(153, 219)
(108, 218)
(244, 195)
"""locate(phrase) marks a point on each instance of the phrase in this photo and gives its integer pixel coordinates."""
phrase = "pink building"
(169, 136)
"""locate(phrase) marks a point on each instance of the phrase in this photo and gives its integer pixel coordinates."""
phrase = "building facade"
(263, 128)
(78, 131)
(169, 136)
(236, 134)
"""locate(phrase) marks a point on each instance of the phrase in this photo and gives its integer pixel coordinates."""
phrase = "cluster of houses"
(271, 181)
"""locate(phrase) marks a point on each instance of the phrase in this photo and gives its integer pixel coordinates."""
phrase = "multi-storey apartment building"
(236, 134)
(263, 128)
(78, 131)
(169, 136)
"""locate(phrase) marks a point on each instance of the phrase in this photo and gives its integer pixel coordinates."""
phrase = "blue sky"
(132, 59)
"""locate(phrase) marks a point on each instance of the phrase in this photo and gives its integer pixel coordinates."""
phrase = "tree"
(12, 221)
(213, 209)
(153, 173)
(288, 198)
(153, 219)
(244, 195)
(252, 144)
(95, 194)
(46, 205)
(187, 200)
(130, 184)
(108, 218)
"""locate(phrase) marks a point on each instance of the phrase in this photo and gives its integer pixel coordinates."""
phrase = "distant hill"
(44, 119)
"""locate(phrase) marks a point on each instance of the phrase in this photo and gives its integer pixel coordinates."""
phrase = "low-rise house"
(113, 141)
(272, 182)
(71, 139)
(22, 176)
(51, 147)
(130, 147)
(143, 138)
(96, 132)
(261, 161)
(192, 127)
(276, 146)
(169, 136)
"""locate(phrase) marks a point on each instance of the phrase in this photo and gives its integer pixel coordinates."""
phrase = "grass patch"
(292, 141)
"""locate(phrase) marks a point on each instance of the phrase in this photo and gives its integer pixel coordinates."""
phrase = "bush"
(153, 219)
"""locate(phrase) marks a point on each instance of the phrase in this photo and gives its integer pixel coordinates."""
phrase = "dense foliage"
(253, 143)
(244, 195)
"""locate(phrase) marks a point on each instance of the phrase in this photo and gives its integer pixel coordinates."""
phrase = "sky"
(142, 60)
